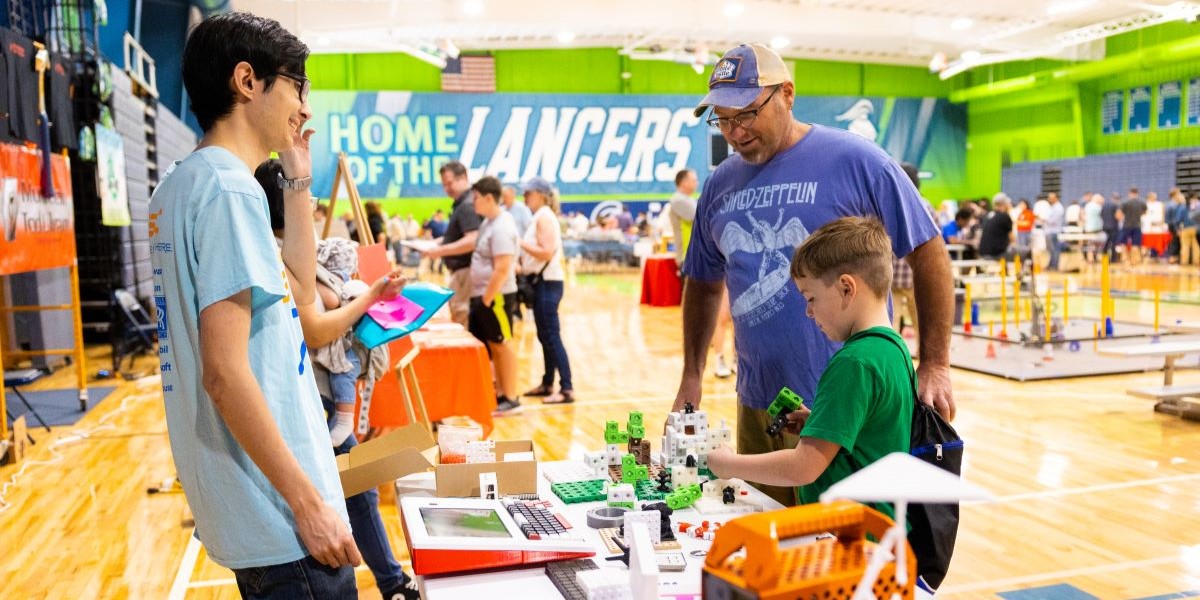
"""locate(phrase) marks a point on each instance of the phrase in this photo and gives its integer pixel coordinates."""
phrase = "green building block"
(785, 401)
(635, 418)
(647, 490)
(684, 497)
(613, 433)
(637, 432)
(631, 472)
(574, 492)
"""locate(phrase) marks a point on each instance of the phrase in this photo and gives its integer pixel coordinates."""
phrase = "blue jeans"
(305, 578)
(367, 527)
(1055, 250)
(341, 385)
(546, 298)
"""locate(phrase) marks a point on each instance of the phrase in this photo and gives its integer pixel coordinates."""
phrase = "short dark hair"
(965, 214)
(219, 43)
(457, 169)
(850, 245)
(487, 185)
(681, 175)
(267, 175)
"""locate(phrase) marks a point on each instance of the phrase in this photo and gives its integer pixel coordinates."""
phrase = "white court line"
(1006, 584)
(183, 576)
(1086, 490)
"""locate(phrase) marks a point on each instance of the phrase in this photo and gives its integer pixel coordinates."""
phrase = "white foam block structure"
(643, 566)
(604, 584)
(652, 519)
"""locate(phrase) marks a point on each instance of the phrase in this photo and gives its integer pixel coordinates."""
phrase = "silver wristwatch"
(293, 184)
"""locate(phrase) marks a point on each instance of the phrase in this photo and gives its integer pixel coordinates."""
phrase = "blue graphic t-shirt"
(210, 238)
(751, 218)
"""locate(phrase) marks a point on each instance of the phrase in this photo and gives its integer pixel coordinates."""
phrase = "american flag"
(469, 74)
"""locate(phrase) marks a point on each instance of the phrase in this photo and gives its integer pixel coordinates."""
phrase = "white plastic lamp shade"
(900, 477)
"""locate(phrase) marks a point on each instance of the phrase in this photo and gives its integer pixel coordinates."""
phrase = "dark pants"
(303, 579)
(367, 526)
(1110, 242)
(546, 297)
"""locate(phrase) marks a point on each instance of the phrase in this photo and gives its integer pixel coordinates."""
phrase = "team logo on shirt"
(774, 242)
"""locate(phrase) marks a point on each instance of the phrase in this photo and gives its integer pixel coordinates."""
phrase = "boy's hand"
(719, 461)
(796, 420)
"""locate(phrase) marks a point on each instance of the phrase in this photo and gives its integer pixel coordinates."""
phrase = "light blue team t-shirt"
(210, 239)
(751, 218)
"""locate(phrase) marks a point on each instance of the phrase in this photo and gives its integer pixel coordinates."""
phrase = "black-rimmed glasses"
(304, 82)
(745, 119)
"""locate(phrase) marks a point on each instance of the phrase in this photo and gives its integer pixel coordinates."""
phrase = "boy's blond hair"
(857, 246)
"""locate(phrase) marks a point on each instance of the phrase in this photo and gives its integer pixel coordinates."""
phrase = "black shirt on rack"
(59, 105)
(21, 85)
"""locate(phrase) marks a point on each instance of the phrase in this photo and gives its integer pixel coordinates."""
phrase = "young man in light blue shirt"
(244, 417)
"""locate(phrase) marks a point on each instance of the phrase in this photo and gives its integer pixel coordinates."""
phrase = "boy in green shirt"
(864, 400)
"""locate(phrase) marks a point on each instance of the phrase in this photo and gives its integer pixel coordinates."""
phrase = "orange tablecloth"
(1157, 242)
(660, 281)
(453, 371)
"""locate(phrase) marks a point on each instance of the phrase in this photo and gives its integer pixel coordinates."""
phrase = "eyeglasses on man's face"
(305, 84)
(744, 119)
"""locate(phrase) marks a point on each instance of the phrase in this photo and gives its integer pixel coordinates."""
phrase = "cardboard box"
(512, 477)
(409, 449)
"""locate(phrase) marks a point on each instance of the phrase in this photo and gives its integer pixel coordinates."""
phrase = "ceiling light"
(472, 8)
(565, 37)
(1068, 6)
(971, 56)
(734, 9)
(961, 24)
(323, 41)
(779, 42)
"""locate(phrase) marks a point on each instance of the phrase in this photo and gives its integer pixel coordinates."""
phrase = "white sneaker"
(723, 371)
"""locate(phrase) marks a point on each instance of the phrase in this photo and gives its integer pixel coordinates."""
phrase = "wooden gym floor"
(1094, 490)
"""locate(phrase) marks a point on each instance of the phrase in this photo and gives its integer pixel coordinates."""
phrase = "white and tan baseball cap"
(741, 75)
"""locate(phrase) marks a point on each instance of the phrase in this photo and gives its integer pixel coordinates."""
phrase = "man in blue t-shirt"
(245, 421)
(787, 179)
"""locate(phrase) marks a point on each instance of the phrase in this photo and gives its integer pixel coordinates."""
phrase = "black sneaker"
(405, 591)
(507, 407)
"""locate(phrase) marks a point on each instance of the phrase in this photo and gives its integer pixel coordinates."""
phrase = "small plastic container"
(453, 435)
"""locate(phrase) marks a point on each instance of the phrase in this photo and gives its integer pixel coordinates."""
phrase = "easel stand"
(77, 353)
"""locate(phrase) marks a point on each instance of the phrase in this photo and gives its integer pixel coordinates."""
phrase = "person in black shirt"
(459, 241)
(996, 229)
(1110, 217)
(1132, 210)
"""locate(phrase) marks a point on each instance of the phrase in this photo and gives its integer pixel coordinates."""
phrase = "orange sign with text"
(35, 233)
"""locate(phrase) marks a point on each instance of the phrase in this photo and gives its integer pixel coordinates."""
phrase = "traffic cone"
(991, 350)
(1048, 352)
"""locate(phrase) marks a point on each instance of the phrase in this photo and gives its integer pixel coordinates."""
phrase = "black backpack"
(934, 527)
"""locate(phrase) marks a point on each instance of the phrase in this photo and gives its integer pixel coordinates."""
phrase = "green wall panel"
(583, 71)
(892, 80)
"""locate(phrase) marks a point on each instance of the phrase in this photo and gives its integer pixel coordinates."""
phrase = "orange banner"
(35, 233)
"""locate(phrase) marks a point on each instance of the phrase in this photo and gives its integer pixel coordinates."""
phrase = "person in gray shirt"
(494, 288)
(682, 209)
(520, 213)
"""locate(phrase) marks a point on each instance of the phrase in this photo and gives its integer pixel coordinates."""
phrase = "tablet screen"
(463, 522)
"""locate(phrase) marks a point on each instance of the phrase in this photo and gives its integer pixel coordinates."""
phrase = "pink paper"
(395, 313)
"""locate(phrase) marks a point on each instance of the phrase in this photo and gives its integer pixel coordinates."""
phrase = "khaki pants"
(1189, 250)
(906, 297)
(753, 439)
(460, 302)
